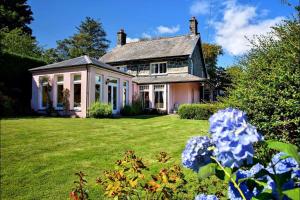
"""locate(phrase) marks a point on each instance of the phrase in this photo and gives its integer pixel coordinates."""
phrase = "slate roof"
(155, 48)
(170, 78)
(82, 60)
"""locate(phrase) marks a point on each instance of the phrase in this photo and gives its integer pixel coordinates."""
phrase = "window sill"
(161, 74)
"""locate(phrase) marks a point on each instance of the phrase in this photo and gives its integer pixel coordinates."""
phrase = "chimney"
(193, 26)
(121, 37)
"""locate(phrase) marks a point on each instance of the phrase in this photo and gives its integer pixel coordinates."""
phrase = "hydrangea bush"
(229, 154)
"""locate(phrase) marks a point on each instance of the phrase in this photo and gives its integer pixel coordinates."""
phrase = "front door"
(113, 96)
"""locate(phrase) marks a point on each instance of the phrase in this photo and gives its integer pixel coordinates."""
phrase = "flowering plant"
(229, 154)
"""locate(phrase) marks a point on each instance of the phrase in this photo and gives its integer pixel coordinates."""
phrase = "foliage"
(15, 14)
(90, 39)
(66, 102)
(231, 145)
(135, 108)
(79, 192)
(197, 111)
(19, 42)
(129, 181)
(15, 83)
(267, 85)
(211, 53)
(100, 110)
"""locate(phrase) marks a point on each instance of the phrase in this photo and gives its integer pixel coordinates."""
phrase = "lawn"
(40, 155)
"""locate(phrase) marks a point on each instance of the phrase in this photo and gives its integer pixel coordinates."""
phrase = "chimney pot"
(121, 37)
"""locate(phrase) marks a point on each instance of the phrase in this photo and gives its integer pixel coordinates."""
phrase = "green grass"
(40, 155)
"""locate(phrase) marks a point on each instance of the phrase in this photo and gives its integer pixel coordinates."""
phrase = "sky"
(224, 22)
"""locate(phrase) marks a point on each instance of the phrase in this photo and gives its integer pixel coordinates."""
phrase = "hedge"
(15, 83)
(100, 110)
(198, 111)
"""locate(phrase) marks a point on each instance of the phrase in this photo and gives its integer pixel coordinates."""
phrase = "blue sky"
(225, 22)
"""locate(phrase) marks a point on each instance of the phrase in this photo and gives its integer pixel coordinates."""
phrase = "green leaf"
(293, 193)
(290, 149)
(207, 170)
(267, 194)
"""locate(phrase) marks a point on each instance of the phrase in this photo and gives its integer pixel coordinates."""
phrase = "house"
(167, 71)
(163, 72)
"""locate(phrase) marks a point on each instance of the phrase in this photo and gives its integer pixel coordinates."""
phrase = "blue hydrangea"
(206, 197)
(234, 194)
(233, 137)
(196, 153)
(280, 166)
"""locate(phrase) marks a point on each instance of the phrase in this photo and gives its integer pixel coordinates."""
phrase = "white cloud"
(199, 7)
(239, 24)
(128, 40)
(146, 35)
(165, 29)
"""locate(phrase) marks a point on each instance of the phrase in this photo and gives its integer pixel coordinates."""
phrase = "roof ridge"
(87, 58)
(159, 38)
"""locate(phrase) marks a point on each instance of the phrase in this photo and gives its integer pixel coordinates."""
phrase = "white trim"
(100, 83)
(41, 84)
(117, 86)
(56, 89)
(74, 83)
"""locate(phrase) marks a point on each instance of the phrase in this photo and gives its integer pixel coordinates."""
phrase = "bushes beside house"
(198, 111)
(100, 110)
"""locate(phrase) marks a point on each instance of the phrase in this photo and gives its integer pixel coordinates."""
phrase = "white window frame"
(100, 83)
(123, 68)
(77, 82)
(42, 84)
(160, 88)
(57, 84)
(126, 100)
(159, 73)
(144, 88)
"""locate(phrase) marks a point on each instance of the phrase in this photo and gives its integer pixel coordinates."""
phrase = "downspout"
(87, 91)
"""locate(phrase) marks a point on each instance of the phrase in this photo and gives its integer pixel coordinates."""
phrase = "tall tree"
(211, 53)
(16, 41)
(90, 40)
(15, 14)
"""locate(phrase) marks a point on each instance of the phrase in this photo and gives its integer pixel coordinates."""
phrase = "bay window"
(98, 88)
(158, 68)
(144, 94)
(159, 96)
(77, 91)
(59, 91)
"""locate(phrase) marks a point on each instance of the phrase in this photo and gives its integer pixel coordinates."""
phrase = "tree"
(267, 87)
(90, 40)
(15, 14)
(18, 42)
(211, 53)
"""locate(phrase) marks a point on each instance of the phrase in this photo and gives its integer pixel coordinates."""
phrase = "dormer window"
(158, 68)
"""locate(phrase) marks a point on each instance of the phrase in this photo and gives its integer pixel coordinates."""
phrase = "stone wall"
(142, 68)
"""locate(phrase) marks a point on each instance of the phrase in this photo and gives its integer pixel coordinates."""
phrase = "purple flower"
(196, 154)
(206, 197)
(233, 137)
(234, 194)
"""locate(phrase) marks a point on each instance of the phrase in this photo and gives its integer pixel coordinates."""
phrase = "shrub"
(136, 108)
(198, 111)
(100, 110)
(267, 87)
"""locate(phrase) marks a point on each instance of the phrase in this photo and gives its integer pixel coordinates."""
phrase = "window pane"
(60, 90)
(77, 77)
(163, 68)
(97, 92)
(77, 95)
(156, 68)
(109, 94)
(44, 96)
(60, 78)
(98, 80)
(114, 97)
(159, 101)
